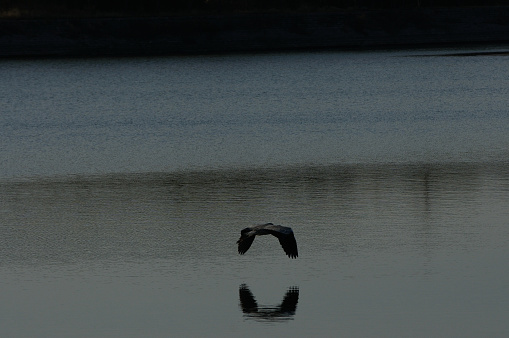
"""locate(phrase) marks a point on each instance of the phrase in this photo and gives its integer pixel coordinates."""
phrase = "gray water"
(124, 184)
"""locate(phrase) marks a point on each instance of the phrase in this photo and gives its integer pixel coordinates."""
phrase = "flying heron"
(284, 234)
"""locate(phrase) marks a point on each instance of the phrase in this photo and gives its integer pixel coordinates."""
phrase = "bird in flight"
(283, 234)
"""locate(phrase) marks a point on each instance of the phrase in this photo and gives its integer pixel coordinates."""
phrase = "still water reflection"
(284, 311)
(124, 185)
(399, 249)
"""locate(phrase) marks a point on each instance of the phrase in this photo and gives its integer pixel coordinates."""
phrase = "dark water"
(164, 114)
(125, 184)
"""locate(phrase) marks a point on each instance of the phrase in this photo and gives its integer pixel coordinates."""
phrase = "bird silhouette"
(283, 311)
(283, 234)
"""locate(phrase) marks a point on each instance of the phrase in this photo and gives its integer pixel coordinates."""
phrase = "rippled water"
(65, 117)
(125, 184)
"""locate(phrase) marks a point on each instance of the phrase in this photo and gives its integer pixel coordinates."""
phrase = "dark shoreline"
(249, 33)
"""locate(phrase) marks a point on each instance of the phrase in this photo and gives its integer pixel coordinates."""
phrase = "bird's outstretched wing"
(289, 244)
(289, 304)
(247, 300)
(245, 242)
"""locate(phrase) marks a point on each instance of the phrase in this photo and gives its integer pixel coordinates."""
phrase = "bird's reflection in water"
(284, 311)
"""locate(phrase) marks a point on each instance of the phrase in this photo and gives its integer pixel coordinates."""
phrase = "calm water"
(124, 184)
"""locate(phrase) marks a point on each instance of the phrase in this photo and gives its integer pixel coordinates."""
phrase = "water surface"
(64, 117)
(124, 185)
